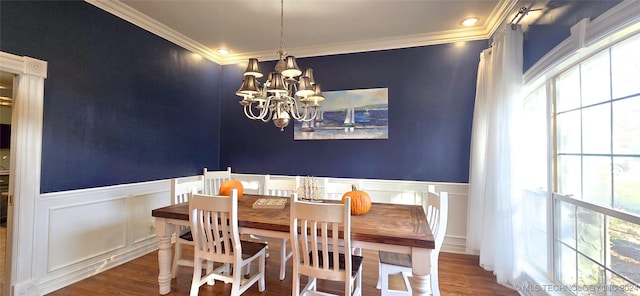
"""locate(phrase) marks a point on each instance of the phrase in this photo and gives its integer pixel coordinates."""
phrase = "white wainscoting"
(83, 232)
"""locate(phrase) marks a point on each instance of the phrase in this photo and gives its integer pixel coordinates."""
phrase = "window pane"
(566, 264)
(535, 228)
(591, 234)
(569, 175)
(595, 79)
(625, 65)
(596, 129)
(590, 277)
(567, 223)
(534, 146)
(568, 129)
(626, 125)
(626, 184)
(568, 94)
(620, 287)
(624, 244)
(596, 185)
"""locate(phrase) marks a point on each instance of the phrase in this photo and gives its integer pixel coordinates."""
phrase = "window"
(596, 173)
(598, 129)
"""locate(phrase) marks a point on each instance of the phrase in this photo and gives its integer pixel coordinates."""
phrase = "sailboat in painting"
(350, 117)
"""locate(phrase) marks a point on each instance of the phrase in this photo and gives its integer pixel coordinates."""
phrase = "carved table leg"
(421, 263)
(164, 231)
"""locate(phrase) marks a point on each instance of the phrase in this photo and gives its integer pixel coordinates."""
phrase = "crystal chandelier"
(287, 93)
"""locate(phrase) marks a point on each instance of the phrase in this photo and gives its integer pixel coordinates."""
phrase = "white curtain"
(494, 194)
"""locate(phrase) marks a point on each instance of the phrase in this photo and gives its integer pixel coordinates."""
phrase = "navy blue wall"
(431, 98)
(121, 105)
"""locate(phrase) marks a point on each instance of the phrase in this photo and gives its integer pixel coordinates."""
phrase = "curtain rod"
(520, 15)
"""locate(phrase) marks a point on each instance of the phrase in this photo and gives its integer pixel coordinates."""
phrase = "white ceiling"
(251, 28)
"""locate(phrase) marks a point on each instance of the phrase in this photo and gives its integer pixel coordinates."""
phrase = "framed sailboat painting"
(348, 114)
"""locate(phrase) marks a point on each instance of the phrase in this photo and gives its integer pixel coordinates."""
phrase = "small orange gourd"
(227, 185)
(360, 201)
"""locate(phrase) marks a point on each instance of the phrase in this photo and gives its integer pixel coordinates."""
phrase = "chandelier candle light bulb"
(287, 93)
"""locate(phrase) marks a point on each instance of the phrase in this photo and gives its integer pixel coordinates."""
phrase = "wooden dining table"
(386, 227)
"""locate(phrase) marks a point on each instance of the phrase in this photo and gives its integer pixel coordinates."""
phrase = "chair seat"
(356, 261)
(436, 209)
(187, 236)
(250, 249)
(396, 259)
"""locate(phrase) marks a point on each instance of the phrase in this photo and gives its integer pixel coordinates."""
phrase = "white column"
(24, 190)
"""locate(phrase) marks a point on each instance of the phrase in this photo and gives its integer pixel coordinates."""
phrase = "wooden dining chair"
(335, 190)
(214, 224)
(315, 230)
(180, 191)
(278, 187)
(436, 207)
(213, 179)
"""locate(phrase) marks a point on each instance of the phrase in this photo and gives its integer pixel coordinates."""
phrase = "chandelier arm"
(295, 110)
(267, 119)
(305, 116)
(265, 109)
(248, 112)
(311, 117)
(268, 109)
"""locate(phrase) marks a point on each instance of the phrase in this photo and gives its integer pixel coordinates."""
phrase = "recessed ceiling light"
(223, 51)
(468, 22)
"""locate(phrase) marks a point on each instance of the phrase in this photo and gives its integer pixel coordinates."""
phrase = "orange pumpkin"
(360, 201)
(227, 185)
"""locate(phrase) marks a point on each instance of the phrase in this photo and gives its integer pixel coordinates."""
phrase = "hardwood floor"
(459, 275)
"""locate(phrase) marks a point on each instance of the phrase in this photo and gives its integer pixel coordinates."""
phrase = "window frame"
(587, 39)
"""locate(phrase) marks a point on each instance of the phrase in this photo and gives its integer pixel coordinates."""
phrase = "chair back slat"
(215, 221)
(334, 190)
(181, 189)
(280, 187)
(436, 207)
(316, 229)
(213, 179)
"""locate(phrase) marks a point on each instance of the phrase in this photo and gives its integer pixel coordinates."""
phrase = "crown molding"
(497, 17)
(368, 45)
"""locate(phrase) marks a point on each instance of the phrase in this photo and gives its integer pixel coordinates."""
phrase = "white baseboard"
(83, 271)
(454, 244)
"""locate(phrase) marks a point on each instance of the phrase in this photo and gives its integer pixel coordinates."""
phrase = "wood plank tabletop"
(394, 224)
